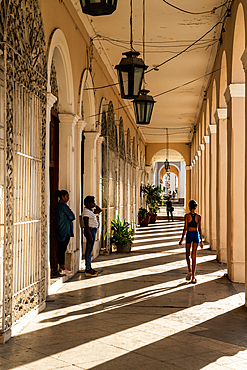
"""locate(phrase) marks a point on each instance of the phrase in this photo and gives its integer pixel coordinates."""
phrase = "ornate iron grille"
(24, 159)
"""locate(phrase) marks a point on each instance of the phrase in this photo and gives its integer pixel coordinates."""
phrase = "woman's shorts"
(192, 237)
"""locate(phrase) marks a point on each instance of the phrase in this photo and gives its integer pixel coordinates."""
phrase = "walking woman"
(91, 225)
(192, 224)
(64, 228)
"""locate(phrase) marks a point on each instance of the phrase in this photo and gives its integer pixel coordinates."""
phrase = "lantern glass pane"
(149, 111)
(138, 72)
(125, 77)
(141, 111)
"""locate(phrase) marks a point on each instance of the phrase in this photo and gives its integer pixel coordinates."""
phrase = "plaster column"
(235, 98)
(221, 188)
(80, 126)
(199, 179)
(51, 99)
(244, 61)
(148, 172)
(186, 180)
(202, 208)
(196, 178)
(212, 187)
(67, 177)
(206, 189)
(90, 186)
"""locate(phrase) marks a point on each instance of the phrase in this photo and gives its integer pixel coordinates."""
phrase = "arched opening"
(60, 87)
(223, 81)
(176, 179)
(86, 109)
(213, 104)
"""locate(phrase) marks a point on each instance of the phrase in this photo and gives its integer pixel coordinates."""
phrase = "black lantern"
(98, 7)
(143, 107)
(130, 75)
(167, 166)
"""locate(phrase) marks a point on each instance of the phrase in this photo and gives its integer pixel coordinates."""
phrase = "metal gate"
(22, 196)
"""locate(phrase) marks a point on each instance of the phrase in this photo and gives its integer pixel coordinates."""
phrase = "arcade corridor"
(139, 313)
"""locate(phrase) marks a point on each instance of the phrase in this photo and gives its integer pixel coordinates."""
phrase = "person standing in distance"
(64, 228)
(192, 225)
(90, 229)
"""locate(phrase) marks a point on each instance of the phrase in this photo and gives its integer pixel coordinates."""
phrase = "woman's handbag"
(172, 209)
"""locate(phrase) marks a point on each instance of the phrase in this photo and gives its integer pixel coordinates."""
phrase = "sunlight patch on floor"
(153, 331)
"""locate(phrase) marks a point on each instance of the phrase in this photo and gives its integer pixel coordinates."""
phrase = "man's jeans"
(89, 247)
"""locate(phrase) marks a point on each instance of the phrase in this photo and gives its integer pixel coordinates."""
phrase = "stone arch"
(223, 81)
(182, 148)
(121, 139)
(102, 116)
(214, 103)
(58, 52)
(238, 47)
(86, 105)
(128, 145)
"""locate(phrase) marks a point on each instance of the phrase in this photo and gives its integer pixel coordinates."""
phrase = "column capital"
(199, 153)
(81, 124)
(234, 91)
(220, 113)
(148, 169)
(244, 60)
(206, 139)
(202, 146)
(212, 129)
(91, 135)
(100, 139)
(196, 157)
(68, 119)
(188, 168)
(51, 100)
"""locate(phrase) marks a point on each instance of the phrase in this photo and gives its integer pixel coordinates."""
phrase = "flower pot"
(143, 221)
(124, 248)
(153, 218)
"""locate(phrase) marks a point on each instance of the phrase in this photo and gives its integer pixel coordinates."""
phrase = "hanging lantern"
(98, 7)
(143, 107)
(167, 166)
(130, 75)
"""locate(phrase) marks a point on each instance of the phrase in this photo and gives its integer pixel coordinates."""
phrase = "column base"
(236, 272)
(213, 244)
(222, 255)
(72, 261)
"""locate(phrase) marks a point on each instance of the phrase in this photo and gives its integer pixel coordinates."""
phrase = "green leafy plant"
(153, 197)
(122, 234)
(143, 212)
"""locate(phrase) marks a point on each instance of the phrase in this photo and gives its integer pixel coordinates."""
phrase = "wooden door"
(54, 156)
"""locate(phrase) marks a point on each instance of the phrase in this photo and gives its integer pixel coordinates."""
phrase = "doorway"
(54, 159)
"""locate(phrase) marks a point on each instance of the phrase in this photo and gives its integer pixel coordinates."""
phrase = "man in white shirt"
(90, 229)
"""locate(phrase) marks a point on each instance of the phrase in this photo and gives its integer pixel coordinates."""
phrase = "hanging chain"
(131, 25)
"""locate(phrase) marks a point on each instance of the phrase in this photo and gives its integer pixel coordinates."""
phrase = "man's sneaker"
(67, 272)
(91, 273)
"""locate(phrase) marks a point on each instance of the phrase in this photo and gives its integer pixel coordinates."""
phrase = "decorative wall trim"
(220, 113)
(212, 129)
(206, 139)
(234, 91)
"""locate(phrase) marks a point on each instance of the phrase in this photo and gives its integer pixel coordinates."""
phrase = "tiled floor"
(139, 313)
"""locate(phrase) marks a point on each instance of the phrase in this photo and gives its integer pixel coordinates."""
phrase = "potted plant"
(143, 217)
(122, 235)
(153, 199)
